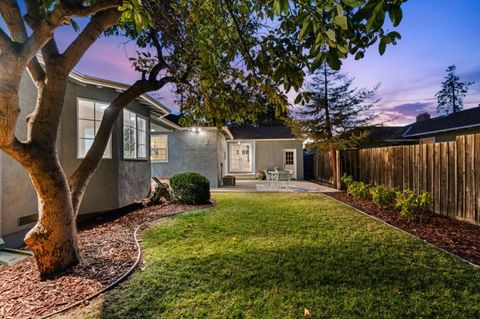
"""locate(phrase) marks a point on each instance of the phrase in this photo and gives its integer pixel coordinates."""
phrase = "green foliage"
(382, 195)
(412, 205)
(190, 188)
(333, 114)
(227, 64)
(358, 190)
(450, 97)
(347, 179)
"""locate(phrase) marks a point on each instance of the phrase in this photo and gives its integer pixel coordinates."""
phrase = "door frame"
(250, 157)
(294, 150)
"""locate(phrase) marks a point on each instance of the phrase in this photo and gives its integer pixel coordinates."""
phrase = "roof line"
(86, 79)
(440, 131)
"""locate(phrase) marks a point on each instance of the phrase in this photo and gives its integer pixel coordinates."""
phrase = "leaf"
(317, 62)
(353, 3)
(341, 21)
(374, 15)
(306, 313)
(305, 28)
(74, 25)
(359, 55)
(396, 15)
(298, 99)
(382, 46)
(331, 35)
(333, 61)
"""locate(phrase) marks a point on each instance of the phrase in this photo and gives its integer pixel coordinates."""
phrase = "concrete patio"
(262, 186)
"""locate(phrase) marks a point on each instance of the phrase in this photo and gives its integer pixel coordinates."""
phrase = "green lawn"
(272, 255)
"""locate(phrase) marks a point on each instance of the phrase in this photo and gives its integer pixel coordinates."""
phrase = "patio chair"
(285, 177)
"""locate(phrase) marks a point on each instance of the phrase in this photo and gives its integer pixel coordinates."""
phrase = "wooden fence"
(450, 171)
(322, 168)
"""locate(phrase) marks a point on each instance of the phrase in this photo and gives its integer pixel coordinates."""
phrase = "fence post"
(339, 170)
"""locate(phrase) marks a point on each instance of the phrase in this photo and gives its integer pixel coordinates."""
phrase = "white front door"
(290, 161)
(240, 157)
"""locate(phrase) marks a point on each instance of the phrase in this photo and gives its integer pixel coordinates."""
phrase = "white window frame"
(151, 147)
(94, 131)
(147, 136)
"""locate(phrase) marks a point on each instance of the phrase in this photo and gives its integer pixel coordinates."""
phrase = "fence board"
(448, 170)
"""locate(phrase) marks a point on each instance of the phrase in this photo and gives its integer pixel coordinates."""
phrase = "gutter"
(441, 131)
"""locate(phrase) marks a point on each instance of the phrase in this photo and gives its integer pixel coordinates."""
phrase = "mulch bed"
(108, 250)
(458, 237)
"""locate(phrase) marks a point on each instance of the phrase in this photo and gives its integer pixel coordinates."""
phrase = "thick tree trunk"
(53, 240)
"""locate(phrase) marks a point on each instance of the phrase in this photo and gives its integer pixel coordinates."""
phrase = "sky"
(435, 34)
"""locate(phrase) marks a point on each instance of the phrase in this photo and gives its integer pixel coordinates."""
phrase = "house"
(215, 153)
(429, 130)
(123, 175)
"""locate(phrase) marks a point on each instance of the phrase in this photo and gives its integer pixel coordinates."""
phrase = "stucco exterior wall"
(116, 182)
(18, 194)
(190, 151)
(269, 154)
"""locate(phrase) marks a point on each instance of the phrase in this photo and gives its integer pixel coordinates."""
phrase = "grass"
(272, 255)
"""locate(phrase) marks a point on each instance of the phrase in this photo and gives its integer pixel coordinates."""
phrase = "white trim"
(94, 133)
(294, 150)
(147, 137)
(86, 79)
(227, 130)
(251, 156)
(444, 130)
(168, 150)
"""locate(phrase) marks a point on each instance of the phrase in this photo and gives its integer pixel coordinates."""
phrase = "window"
(159, 147)
(89, 117)
(134, 136)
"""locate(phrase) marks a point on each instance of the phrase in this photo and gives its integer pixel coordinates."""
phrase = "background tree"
(450, 97)
(334, 115)
(215, 51)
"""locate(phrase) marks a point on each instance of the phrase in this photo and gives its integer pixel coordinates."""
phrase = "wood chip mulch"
(108, 250)
(458, 237)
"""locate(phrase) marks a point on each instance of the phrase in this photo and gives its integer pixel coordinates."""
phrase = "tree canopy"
(225, 58)
(450, 97)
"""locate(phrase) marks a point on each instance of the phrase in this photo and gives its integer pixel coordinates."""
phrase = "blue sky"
(435, 34)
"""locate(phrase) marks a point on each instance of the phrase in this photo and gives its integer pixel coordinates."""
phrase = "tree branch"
(97, 25)
(5, 41)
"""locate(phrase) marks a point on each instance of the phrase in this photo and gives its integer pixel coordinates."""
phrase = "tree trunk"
(53, 240)
(332, 155)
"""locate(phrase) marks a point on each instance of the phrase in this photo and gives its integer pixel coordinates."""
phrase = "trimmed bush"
(358, 190)
(260, 175)
(412, 205)
(382, 195)
(190, 188)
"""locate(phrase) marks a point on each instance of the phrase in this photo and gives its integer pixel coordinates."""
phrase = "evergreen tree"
(334, 115)
(450, 97)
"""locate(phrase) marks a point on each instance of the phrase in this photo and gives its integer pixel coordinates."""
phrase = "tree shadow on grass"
(342, 279)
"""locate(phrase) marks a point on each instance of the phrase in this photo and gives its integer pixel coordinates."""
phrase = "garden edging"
(403, 231)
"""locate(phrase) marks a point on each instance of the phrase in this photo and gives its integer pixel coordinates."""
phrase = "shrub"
(358, 190)
(190, 188)
(346, 179)
(382, 195)
(412, 205)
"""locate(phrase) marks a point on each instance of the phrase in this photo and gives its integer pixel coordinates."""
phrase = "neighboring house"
(429, 130)
(213, 152)
(122, 177)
